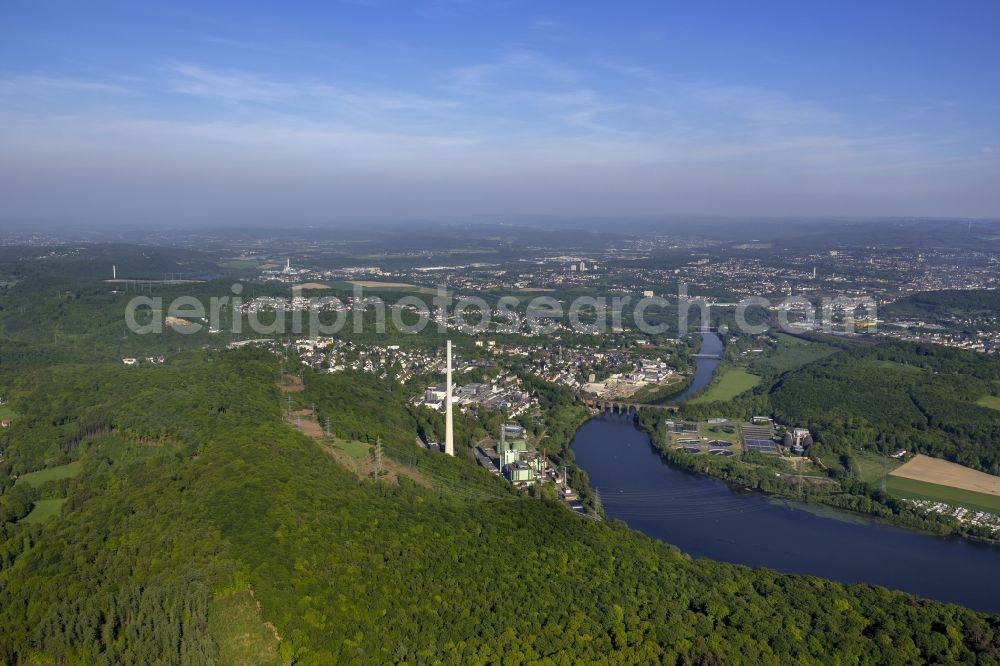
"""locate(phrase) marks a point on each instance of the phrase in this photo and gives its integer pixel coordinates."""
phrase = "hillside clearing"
(67, 471)
(353, 455)
(990, 401)
(243, 637)
(44, 509)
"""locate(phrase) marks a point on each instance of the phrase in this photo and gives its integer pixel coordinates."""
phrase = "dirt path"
(291, 384)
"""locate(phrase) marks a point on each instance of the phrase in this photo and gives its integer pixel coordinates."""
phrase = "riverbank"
(762, 473)
(774, 476)
(707, 517)
(769, 474)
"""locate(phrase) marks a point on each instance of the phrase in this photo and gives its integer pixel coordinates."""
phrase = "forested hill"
(196, 501)
(965, 303)
(95, 261)
(898, 395)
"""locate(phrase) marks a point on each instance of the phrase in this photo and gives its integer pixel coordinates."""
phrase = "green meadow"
(357, 450)
(44, 509)
(991, 401)
(791, 353)
(913, 489)
(871, 467)
(240, 631)
(730, 384)
(67, 471)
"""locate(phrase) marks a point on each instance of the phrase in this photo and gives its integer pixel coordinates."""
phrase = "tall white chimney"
(114, 272)
(449, 435)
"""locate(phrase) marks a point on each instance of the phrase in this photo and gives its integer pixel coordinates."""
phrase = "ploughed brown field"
(942, 472)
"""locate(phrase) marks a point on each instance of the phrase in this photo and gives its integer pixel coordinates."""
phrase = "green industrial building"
(520, 472)
(512, 449)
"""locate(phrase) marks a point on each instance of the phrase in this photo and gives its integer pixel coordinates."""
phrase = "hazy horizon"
(496, 111)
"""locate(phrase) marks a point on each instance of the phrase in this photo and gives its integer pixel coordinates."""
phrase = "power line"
(377, 457)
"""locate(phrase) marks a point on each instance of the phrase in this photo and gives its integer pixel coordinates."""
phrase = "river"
(711, 346)
(706, 518)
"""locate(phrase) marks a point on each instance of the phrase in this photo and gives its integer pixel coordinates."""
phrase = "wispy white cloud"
(519, 98)
(549, 30)
(522, 121)
(238, 86)
(524, 65)
(310, 97)
(630, 70)
(760, 107)
(129, 166)
(41, 83)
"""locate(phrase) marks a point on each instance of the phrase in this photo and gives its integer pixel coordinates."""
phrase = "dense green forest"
(878, 397)
(195, 492)
(965, 303)
(856, 398)
(894, 395)
(165, 514)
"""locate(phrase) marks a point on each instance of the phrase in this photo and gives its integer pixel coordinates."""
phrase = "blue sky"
(450, 109)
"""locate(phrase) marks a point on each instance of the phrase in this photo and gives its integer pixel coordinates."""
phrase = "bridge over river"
(619, 407)
(706, 518)
(708, 357)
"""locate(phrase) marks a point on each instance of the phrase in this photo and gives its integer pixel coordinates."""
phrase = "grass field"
(991, 401)
(937, 471)
(871, 467)
(67, 471)
(790, 353)
(718, 432)
(7, 413)
(239, 264)
(353, 455)
(44, 509)
(913, 489)
(241, 634)
(892, 366)
(730, 384)
(402, 286)
(354, 449)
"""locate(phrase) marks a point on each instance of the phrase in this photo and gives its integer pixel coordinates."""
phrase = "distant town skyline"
(370, 110)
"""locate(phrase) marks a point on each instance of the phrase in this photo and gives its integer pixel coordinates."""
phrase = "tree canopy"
(194, 487)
